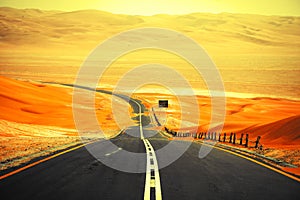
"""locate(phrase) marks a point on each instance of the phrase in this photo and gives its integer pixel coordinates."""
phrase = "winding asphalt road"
(78, 175)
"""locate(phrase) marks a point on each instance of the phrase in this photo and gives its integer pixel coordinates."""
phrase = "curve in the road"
(77, 175)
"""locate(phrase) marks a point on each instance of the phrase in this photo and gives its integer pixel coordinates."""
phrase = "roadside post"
(257, 142)
(247, 140)
(241, 139)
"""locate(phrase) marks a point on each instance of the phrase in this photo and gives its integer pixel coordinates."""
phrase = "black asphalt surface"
(78, 175)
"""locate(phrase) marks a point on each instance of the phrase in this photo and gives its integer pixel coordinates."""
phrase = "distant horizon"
(171, 14)
(170, 7)
(255, 54)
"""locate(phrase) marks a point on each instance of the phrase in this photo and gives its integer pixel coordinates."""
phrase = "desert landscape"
(37, 120)
(275, 120)
(257, 56)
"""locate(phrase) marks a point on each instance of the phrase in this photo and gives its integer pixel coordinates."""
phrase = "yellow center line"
(149, 149)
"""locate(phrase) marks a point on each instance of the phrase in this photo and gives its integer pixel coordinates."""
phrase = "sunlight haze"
(152, 7)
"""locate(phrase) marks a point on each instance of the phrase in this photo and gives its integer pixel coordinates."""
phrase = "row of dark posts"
(217, 137)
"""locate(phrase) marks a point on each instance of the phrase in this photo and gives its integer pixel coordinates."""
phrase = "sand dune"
(34, 110)
(216, 32)
(276, 120)
(285, 131)
(26, 102)
(38, 104)
(255, 29)
(37, 119)
(252, 52)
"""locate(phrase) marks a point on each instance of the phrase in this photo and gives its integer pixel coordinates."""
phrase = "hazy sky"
(150, 7)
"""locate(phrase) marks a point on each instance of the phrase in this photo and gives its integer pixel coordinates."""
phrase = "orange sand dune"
(37, 119)
(38, 104)
(285, 131)
(31, 103)
(51, 45)
(276, 120)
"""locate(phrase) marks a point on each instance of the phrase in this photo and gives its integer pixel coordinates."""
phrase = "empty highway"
(79, 175)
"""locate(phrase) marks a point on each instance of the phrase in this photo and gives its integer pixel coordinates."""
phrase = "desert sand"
(256, 55)
(277, 121)
(36, 119)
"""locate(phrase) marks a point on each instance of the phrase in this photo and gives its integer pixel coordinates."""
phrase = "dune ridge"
(284, 131)
(36, 120)
(252, 52)
(47, 26)
(275, 120)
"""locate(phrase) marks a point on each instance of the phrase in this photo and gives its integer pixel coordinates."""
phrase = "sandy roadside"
(277, 121)
(37, 119)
